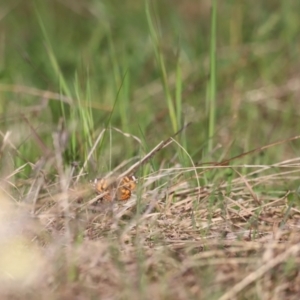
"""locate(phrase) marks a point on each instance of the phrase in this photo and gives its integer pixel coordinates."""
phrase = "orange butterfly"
(112, 189)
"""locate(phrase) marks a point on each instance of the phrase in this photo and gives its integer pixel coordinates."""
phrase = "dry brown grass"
(236, 239)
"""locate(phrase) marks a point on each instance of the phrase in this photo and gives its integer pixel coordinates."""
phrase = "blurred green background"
(144, 68)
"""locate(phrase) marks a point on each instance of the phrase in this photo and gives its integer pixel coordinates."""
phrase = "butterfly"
(120, 188)
(111, 189)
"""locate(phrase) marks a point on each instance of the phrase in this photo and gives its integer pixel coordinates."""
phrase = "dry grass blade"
(37, 138)
(146, 158)
(293, 250)
(255, 198)
(90, 155)
(227, 161)
(128, 135)
(20, 89)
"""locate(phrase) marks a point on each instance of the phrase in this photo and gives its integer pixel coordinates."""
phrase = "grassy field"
(89, 88)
